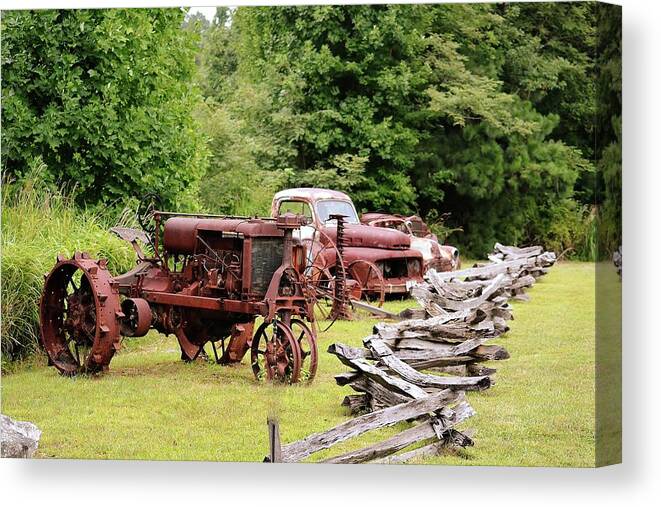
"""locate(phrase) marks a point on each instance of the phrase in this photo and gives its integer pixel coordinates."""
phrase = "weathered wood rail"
(435, 416)
(463, 311)
(418, 369)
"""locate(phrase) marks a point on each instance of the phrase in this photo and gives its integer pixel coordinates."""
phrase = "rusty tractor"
(207, 279)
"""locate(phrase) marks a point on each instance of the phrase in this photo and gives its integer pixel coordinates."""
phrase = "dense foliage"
(104, 98)
(37, 224)
(483, 112)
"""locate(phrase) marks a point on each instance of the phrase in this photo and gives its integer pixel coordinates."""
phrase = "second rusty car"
(436, 255)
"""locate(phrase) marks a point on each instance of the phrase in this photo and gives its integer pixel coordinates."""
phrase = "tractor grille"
(266, 258)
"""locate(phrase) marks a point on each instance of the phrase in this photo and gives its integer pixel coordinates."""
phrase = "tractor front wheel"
(275, 354)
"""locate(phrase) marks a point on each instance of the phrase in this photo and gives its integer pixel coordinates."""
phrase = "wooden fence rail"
(418, 369)
(435, 415)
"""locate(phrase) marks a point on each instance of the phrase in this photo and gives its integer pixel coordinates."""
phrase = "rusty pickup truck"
(380, 259)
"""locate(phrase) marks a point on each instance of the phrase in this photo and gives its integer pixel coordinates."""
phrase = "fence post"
(275, 450)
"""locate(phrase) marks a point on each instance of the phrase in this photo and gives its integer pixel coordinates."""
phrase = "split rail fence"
(418, 369)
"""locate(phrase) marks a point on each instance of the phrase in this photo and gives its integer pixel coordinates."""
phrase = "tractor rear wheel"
(80, 315)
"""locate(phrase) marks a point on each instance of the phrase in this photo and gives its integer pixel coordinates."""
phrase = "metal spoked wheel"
(371, 280)
(79, 316)
(275, 354)
(307, 343)
(323, 284)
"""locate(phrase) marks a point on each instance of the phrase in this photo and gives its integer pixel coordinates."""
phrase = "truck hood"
(358, 235)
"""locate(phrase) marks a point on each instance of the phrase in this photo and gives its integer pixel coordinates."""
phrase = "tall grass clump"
(37, 224)
(573, 232)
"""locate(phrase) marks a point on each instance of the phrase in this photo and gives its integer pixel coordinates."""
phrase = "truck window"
(296, 207)
(329, 207)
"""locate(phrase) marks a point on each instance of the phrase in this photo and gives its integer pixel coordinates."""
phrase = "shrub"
(573, 231)
(104, 98)
(37, 224)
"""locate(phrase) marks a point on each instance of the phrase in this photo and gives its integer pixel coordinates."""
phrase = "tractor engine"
(230, 258)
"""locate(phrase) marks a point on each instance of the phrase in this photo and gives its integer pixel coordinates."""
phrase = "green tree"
(541, 52)
(104, 98)
(609, 127)
(489, 156)
(217, 58)
(483, 111)
(248, 119)
(359, 78)
(550, 61)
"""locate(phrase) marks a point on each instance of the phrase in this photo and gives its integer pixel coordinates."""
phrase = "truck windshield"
(329, 207)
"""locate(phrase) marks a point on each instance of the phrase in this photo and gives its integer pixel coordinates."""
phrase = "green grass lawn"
(152, 406)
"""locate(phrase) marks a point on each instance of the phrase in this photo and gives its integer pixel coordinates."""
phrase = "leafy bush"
(104, 98)
(37, 224)
(573, 232)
